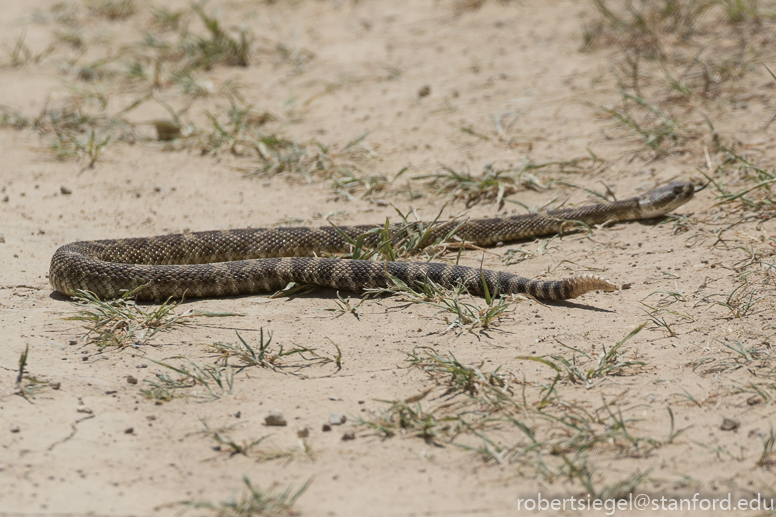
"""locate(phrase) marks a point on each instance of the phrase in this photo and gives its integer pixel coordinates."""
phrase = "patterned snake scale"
(239, 262)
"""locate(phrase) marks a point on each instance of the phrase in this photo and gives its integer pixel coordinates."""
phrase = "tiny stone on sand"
(275, 418)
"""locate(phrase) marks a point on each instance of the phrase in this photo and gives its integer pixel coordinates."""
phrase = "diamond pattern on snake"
(260, 260)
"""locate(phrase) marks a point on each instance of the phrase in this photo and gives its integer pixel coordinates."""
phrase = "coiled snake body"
(236, 262)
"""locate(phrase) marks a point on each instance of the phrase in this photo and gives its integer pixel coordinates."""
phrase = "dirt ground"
(515, 106)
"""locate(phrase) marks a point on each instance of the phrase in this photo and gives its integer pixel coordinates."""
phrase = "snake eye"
(683, 188)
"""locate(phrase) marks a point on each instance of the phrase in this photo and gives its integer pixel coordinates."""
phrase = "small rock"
(754, 400)
(150, 418)
(84, 358)
(167, 130)
(72, 342)
(15, 429)
(109, 392)
(65, 191)
(728, 424)
(84, 409)
(238, 414)
(326, 428)
(627, 286)
(348, 435)
(129, 430)
(2, 238)
(304, 432)
(55, 385)
(275, 418)
(424, 91)
(337, 419)
(131, 380)
(141, 365)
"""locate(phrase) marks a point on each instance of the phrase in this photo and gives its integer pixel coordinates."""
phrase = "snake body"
(248, 261)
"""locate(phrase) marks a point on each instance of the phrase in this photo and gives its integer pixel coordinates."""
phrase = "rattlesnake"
(236, 262)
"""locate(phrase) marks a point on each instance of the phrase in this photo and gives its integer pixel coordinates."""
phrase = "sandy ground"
(426, 79)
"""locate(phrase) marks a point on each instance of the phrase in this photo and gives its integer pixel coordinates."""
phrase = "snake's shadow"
(650, 222)
(574, 305)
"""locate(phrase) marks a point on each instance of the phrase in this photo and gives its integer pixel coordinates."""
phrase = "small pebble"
(72, 342)
(131, 380)
(65, 191)
(84, 358)
(627, 286)
(141, 365)
(15, 429)
(728, 424)
(275, 418)
(304, 432)
(5, 199)
(424, 91)
(167, 131)
(337, 419)
(55, 385)
(150, 418)
(348, 435)
(129, 430)
(326, 428)
(2, 238)
(754, 400)
(84, 409)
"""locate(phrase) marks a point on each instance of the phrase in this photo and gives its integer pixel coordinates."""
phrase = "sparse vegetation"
(27, 385)
(555, 437)
(265, 355)
(467, 312)
(767, 457)
(249, 448)
(112, 9)
(254, 501)
(123, 322)
(608, 363)
(20, 54)
(495, 184)
(217, 381)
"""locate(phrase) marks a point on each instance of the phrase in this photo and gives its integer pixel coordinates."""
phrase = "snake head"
(662, 200)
